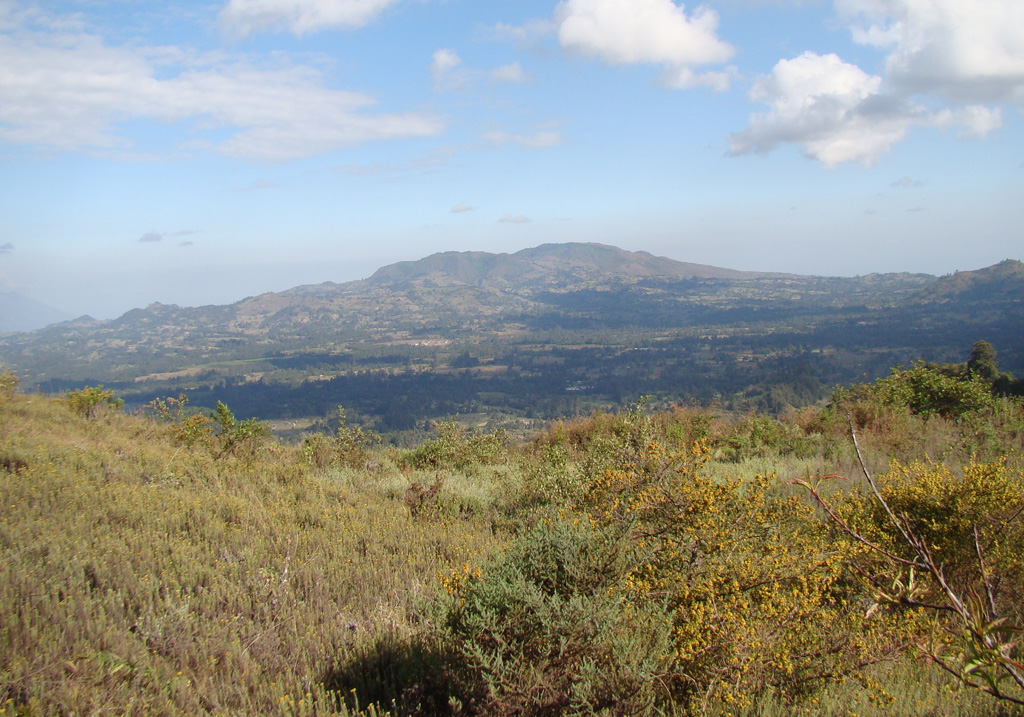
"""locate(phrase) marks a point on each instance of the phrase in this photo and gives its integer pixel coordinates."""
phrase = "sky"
(201, 152)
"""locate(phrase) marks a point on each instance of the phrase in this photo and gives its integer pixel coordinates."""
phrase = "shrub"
(543, 630)
(234, 435)
(8, 384)
(950, 548)
(87, 402)
(456, 448)
(348, 446)
(187, 428)
(922, 390)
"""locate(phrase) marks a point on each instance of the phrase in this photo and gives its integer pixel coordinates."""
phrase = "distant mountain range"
(20, 313)
(480, 310)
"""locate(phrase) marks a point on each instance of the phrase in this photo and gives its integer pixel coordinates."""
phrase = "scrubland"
(650, 563)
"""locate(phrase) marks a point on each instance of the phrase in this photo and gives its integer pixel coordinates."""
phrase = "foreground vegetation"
(669, 562)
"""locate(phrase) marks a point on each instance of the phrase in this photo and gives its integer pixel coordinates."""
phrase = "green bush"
(457, 448)
(542, 629)
(922, 390)
(89, 401)
(8, 384)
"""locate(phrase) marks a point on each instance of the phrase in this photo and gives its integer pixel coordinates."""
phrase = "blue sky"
(197, 153)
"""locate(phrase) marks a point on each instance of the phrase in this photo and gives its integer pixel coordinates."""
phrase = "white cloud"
(941, 52)
(537, 140)
(833, 110)
(512, 74)
(906, 182)
(69, 91)
(245, 17)
(447, 71)
(528, 34)
(444, 61)
(657, 32)
(514, 219)
(968, 50)
(461, 208)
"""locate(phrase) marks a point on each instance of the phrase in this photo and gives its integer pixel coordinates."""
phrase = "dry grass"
(141, 577)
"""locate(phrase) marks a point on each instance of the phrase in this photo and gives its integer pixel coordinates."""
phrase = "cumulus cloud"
(6, 248)
(948, 63)
(70, 91)
(460, 208)
(834, 110)
(659, 32)
(537, 140)
(514, 219)
(970, 52)
(245, 17)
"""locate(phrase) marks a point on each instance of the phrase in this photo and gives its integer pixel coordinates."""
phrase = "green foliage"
(348, 446)
(982, 362)
(922, 390)
(457, 448)
(89, 401)
(949, 546)
(236, 436)
(189, 428)
(8, 384)
(542, 629)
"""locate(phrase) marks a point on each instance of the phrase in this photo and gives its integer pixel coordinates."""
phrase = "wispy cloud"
(242, 18)
(151, 237)
(6, 248)
(274, 111)
(256, 186)
(447, 71)
(537, 140)
(511, 74)
(514, 219)
(906, 182)
(461, 208)
(427, 162)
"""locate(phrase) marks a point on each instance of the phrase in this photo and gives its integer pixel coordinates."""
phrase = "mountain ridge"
(584, 307)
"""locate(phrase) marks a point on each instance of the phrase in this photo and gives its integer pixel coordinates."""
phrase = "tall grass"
(144, 574)
(138, 576)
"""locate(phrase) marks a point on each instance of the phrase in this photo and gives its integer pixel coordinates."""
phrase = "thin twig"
(984, 576)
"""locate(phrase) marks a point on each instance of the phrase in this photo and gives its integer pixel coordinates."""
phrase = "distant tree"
(982, 361)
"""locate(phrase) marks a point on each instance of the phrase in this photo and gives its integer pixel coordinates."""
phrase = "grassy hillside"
(175, 562)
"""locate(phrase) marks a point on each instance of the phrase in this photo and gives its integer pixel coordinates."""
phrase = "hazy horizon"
(190, 153)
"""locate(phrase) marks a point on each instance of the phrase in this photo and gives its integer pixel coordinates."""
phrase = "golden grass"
(140, 577)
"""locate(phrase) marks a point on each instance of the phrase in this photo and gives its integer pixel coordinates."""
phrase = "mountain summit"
(545, 264)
